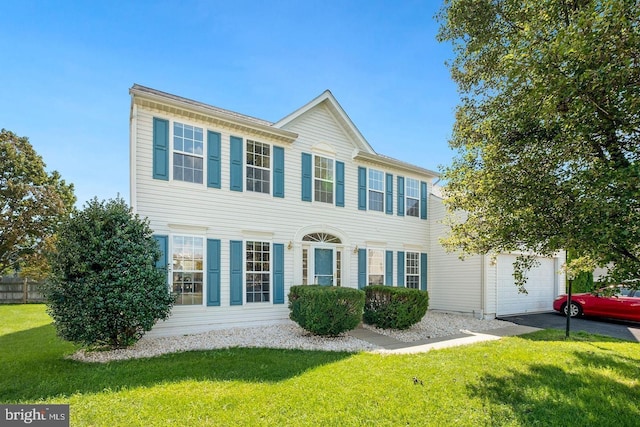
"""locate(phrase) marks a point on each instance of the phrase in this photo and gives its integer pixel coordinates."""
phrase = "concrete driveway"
(614, 328)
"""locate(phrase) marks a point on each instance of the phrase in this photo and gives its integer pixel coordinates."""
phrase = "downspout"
(133, 132)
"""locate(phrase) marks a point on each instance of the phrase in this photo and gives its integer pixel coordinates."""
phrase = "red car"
(615, 302)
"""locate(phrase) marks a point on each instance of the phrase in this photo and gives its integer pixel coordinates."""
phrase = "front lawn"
(539, 379)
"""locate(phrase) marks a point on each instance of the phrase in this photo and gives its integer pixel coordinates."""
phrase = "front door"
(323, 261)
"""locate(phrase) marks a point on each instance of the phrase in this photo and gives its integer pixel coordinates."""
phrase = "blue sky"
(67, 68)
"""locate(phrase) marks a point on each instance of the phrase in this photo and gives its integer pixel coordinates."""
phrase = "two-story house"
(243, 209)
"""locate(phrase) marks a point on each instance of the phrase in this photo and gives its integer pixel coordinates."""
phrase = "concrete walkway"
(394, 346)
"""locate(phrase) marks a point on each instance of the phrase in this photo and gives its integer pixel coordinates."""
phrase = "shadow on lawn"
(34, 367)
(550, 395)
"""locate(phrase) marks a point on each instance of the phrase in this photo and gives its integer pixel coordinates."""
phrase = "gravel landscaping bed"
(289, 336)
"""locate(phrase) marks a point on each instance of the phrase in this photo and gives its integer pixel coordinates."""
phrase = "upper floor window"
(258, 171)
(412, 270)
(323, 179)
(188, 153)
(376, 190)
(258, 271)
(375, 263)
(412, 194)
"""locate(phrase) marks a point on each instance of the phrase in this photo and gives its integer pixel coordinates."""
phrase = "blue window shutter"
(362, 188)
(389, 193)
(423, 200)
(362, 268)
(339, 184)
(400, 196)
(213, 272)
(388, 267)
(401, 269)
(423, 271)
(163, 242)
(278, 171)
(236, 272)
(306, 177)
(236, 163)
(278, 273)
(161, 149)
(213, 159)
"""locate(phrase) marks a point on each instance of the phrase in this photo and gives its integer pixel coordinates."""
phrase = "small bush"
(394, 308)
(326, 310)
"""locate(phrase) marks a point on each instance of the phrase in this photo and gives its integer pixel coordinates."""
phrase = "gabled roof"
(176, 104)
(336, 109)
(363, 152)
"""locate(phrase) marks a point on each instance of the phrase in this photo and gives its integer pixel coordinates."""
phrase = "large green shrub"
(394, 308)
(105, 290)
(326, 310)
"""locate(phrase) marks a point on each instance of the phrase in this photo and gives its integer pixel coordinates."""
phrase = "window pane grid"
(257, 271)
(323, 182)
(376, 266)
(258, 167)
(376, 190)
(187, 259)
(188, 147)
(413, 197)
(412, 270)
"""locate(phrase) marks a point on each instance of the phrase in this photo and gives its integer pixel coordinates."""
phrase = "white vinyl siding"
(175, 207)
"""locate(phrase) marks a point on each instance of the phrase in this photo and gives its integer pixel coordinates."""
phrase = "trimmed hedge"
(326, 310)
(394, 308)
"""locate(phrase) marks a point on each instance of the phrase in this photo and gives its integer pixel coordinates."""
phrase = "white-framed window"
(323, 179)
(376, 190)
(412, 197)
(258, 168)
(412, 270)
(188, 153)
(375, 266)
(187, 254)
(257, 271)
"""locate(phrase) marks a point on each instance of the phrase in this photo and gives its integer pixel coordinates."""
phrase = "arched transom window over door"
(321, 237)
(322, 259)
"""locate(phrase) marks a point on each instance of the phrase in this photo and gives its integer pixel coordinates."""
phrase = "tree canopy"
(32, 202)
(548, 129)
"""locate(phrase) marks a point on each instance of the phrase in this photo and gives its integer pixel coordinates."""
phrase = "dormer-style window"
(412, 195)
(323, 177)
(188, 153)
(258, 169)
(376, 190)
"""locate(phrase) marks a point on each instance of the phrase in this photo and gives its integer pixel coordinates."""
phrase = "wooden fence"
(16, 290)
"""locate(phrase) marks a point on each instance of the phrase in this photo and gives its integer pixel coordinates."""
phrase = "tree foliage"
(548, 129)
(32, 201)
(105, 289)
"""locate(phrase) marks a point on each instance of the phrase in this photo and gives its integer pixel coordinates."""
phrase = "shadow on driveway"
(629, 331)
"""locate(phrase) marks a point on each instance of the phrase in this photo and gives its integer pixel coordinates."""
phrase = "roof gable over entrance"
(329, 102)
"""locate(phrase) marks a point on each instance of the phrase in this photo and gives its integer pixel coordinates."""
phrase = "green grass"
(538, 379)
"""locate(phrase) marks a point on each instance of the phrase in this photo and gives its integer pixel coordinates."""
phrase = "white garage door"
(540, 287)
